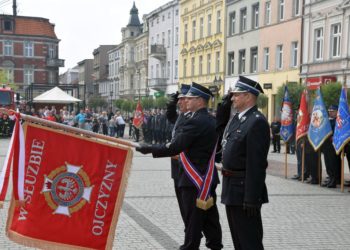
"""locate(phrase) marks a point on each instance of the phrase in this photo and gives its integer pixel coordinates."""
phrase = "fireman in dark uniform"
(177, 99)
(197, 141)
(332, 160)
(7, 126)
(245, 143)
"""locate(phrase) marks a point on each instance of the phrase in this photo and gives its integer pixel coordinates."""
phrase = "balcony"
(158, 51)
(158, 83)
(54, 62)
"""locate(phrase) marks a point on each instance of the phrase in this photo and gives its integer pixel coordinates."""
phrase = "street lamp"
(111, 95)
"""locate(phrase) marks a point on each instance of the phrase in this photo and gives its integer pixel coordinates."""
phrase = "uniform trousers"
(198, 220)
(179, 199)
(246, 232)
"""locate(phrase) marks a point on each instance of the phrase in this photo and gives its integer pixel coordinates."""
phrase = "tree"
(119, 103)
(262, 101)
(331, 93)
(147, 103)
(294, 90)
(161, 102)
(97, 102)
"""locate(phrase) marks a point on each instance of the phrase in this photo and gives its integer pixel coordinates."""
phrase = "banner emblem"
(67, 189)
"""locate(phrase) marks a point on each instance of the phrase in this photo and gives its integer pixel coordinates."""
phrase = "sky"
(82, 25)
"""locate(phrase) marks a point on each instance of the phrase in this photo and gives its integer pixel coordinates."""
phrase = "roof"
(55, 95)
(32, 26)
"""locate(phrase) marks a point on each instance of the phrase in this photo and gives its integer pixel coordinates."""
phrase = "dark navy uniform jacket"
(197, 140)
(245, 151)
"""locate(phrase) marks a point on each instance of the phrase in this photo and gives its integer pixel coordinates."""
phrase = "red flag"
(73, 191)
(138, 116)
(303, 119)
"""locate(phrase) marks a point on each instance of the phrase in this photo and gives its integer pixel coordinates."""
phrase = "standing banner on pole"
(303, 119)
(73, 191)
(138, 116)
(287, 126)
(342, 126)
(320, 128)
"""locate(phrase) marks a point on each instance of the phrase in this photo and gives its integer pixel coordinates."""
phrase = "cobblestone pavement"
(299, 216)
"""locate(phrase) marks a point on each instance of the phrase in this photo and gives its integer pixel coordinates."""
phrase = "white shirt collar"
(243, 112)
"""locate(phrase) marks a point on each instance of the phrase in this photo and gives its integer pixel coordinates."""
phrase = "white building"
(164, 31)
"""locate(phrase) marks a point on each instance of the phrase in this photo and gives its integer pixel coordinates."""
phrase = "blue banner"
(320, 127)
(287, 126)
(342, 125)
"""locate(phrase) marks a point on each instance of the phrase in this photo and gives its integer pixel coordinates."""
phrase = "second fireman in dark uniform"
(245, 143)
(197, 140)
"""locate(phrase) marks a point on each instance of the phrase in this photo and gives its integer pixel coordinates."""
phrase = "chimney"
(14, 7)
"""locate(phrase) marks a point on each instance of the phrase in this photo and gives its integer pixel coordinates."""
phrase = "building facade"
(100, 68)
(202, 39)
(133, 72)
(326, 46)
(261, 46)
(29, 51)
(163, 32)
(85, 69)
(113, 72)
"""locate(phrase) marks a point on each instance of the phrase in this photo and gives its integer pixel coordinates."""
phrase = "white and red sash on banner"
(202, 183)
(73, 189)
(14, 159)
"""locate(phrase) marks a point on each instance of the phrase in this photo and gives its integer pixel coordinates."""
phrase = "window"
(176, 69)
(157, 39)
(176, 12)
(185, 34)
(254, 60)
(296, 7)
(241, 66)
(8, 25)
(184, 67)
(28, 75)
(163, 38)
(232, 24)
(209, 25)
(208, 63)
(28, 49)
(318, 53)
(218, 21)
(267, 13)
(279, 57)
(255, 16)
(157, 70)
(169, 38)
(335, 40)
(163, 70)
(169, 15)
(52, 78)
(217, 62)
(192, 66)
(193, 30)
(200, 70)
(163, 18)
(52, 51)
(152, 72)
(243, 21)
(8, 69)
(294, 55)
(176, 35)
(280, 10)
(8, 48)
(231, 63)
(266, 59)
(201, 27)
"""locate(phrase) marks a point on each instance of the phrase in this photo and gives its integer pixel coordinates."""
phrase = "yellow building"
(202, 38)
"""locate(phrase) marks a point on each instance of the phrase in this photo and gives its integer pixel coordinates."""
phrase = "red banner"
(138, 116)
(303, 119)
(73, 191)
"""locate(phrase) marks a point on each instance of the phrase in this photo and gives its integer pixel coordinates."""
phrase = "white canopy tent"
(55, 95)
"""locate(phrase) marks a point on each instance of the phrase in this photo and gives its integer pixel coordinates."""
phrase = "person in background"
(276, 138)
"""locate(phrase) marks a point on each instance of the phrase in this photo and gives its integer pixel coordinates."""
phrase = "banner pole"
(303, 160)
(342, 171)
(319, 167)
(286, 163)
(71, 129)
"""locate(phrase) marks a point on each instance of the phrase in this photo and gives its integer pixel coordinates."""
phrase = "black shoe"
(296, 177)
(331, 185)
(325, 184)
(273, 151)
(313, 182)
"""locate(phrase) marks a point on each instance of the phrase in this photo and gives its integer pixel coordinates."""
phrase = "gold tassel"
(205, 205)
